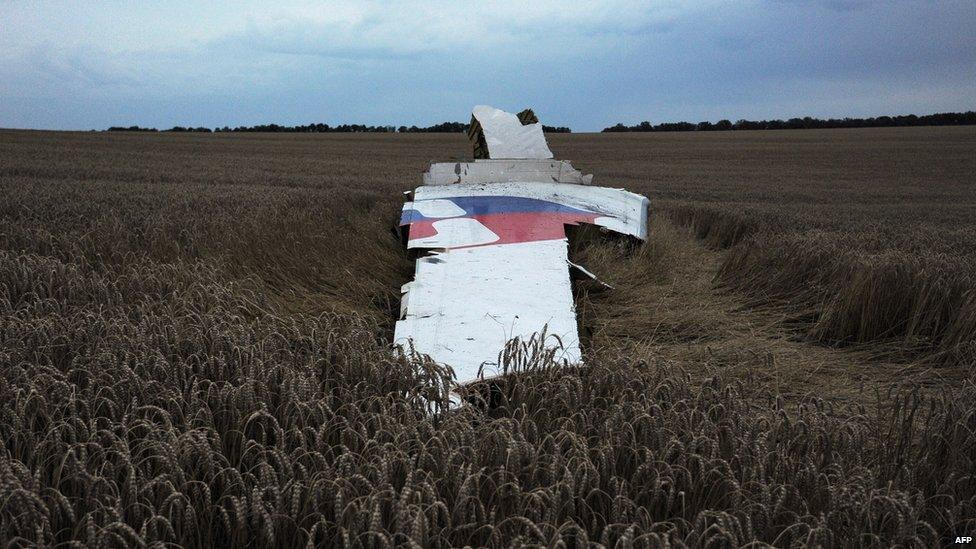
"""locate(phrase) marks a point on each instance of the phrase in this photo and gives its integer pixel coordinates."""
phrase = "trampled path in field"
(665, 307)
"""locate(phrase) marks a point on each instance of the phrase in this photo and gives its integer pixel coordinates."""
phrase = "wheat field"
(194, 349)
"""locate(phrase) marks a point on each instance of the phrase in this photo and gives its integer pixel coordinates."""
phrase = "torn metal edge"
(503, 171)
(505, 136)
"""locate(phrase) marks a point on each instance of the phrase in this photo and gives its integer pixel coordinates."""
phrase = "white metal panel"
(456, 233)
(507, 170)
(502, 269)
(437, 208)
(465, 304)
(498, 266)
(621, 211)
(506, 137)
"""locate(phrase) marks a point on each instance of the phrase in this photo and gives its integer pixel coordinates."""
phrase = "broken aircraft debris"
(496, 264)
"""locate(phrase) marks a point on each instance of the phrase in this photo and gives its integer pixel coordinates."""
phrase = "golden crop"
(194, 349)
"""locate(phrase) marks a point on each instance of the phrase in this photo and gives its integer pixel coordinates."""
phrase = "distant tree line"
(200, 129)
(131, 129)
(310, 128)
(967, 118)
(443, 127)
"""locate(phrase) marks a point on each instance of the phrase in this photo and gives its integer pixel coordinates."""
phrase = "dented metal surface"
(497, 265)
(507, 137)
(502, 171)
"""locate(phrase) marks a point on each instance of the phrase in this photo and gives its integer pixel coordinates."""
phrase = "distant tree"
(723, 125)
(674, 127)
(443, 127)
(130, 129)
(619, 127)
(807, 122)
(746, 125)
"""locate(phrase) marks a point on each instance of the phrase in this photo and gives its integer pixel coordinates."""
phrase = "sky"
(586, 65)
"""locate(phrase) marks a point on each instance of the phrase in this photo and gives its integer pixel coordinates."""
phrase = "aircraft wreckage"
(493, 259)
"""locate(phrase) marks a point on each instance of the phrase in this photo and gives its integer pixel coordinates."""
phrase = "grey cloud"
(582, 69)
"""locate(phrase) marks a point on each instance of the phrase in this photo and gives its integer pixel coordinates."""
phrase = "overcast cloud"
(70, 65)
